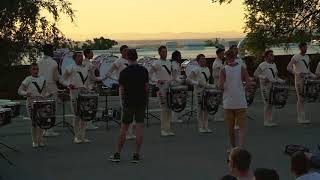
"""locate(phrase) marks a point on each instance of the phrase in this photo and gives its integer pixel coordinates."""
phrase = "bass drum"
(147, 63)
(104, 63)
(190, 66)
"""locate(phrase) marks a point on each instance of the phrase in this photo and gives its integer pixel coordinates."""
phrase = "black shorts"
(137, 113)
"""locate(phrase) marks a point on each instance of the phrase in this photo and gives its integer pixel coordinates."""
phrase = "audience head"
(162, 50)
(132, 55)
(239, 161)
(300, 163)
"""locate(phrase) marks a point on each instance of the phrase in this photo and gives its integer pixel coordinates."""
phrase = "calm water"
(209, 52)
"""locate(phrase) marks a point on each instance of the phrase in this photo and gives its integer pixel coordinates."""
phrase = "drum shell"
(278, 91)
(212, 98)
(311, 89)
(5, 116)
(177, 97)
(87, 105)
(43, 113)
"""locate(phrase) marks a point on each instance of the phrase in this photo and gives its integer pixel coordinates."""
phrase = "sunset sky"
(154, 19)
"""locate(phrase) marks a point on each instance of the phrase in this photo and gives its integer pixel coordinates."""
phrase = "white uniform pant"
(265, 93)
(166, 114)
(301, 100)
(36, 131)
(202, 114)
(79, 125)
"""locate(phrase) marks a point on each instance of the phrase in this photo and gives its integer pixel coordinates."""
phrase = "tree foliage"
(25, 25)
(269, 23)
(99, 44)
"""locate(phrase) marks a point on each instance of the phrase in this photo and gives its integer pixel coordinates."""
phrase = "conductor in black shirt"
(133, 81)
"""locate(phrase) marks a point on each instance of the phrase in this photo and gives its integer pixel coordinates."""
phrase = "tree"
(25, 25)
(99, 44)
(269, 23)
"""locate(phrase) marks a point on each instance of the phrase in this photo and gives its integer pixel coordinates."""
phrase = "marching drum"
(5, 116)
(43, 113)
(87, 104)
(311, 89)
(211, 99)
(190, 66)
(104, 63)
(14, 106)
(278, 95)
(177, 97)
(251, 89)
(147, 63)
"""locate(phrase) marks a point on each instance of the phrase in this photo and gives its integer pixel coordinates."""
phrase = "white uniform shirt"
(118, 66)
(35, 86)
(216, 67)
(269, 71)
(301, 63)
(199, 75)
(78, 75)
(91, 74)
(310, 176)
(165, 70)
(48, 68)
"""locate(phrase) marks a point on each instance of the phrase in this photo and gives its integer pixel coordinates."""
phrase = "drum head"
(147, 63)
(104, 66)
(190, 66)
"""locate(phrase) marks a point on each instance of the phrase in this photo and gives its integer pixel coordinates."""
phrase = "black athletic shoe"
(136, 158)
(115, 157)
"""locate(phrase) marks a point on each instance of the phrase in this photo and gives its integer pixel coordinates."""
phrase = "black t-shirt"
(133, 79)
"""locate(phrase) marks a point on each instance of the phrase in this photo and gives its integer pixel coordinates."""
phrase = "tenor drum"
(14, 106)
(211, 99)
(104, 63)
(43, 113)
(311, 89)
(278, 95)
(5, 116)
(177, 97)
(87, 104)
(147, 63)
(190, 66)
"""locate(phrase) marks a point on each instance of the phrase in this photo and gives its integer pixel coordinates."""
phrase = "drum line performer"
(199, 78)
(48, 68)
(165, 73)
(267, 73)
(34, 86)
(79, 75)
(115, 69)
(216, 68)
(298, 66)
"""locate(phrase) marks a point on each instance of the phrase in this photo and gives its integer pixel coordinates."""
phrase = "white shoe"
(130, 137)
(202, 130)
(270, 124)
(42, 144)
(77, 140)
(208, 130)
(165, 133)
(50, 133)
(304, 121)
(236, 127)
(171, 133)
(35, 145)
(91, 126)
(85, 140)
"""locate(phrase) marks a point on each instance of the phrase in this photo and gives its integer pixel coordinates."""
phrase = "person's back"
(133, 78)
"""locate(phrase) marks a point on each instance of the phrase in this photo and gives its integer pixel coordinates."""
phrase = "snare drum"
(278, 95)
(87, 105)
(5, 116)
(177, 97)
(311, 89)
(211, 99)
(43, 113)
